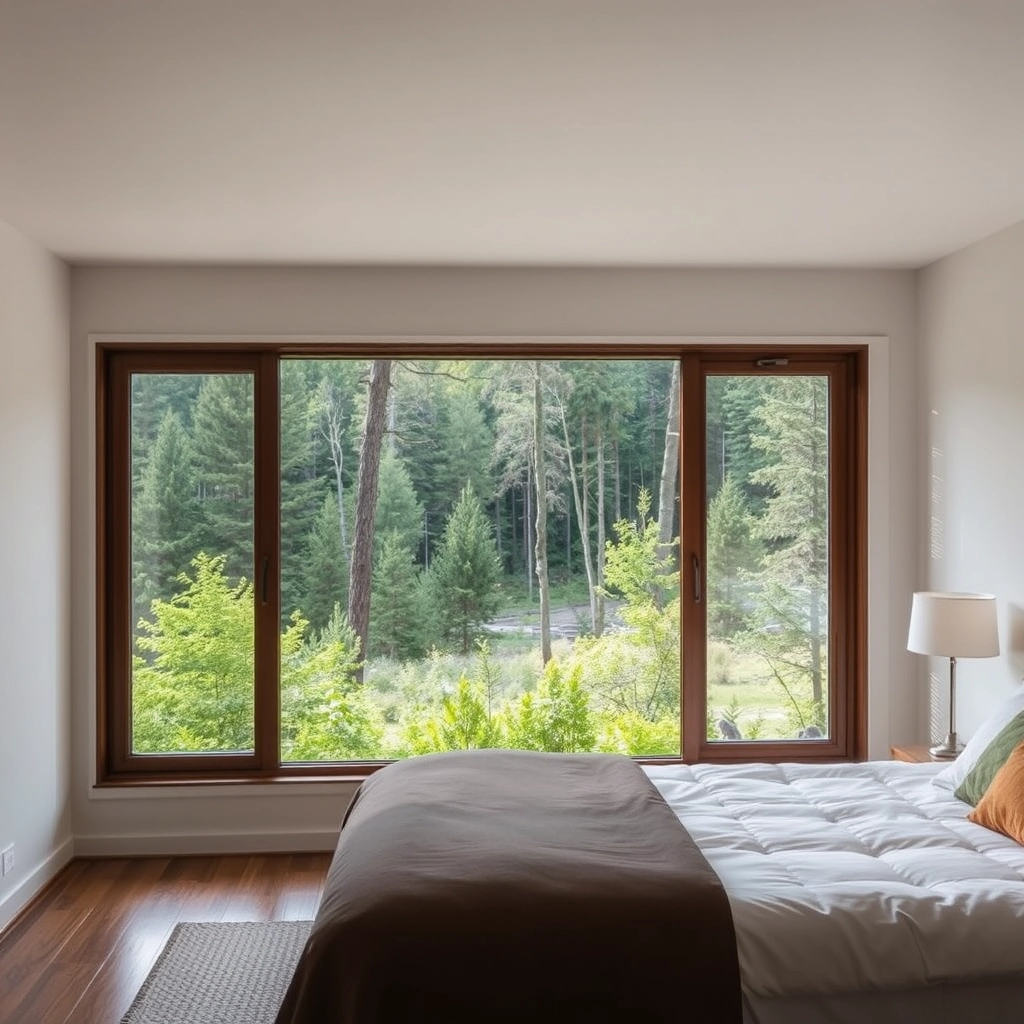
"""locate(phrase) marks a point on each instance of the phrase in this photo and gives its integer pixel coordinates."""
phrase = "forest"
(475, 553)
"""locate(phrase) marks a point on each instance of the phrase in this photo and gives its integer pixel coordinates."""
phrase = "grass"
(740, 688)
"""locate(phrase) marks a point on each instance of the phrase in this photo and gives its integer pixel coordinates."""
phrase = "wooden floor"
(80, 952)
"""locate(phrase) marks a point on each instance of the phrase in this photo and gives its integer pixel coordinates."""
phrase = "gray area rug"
(225, 972)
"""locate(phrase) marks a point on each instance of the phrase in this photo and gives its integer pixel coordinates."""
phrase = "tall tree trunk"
(670, 464)
(528, 534)
(334, 433)
(366, 504)
(392, 422)
(581, 520)
(568, 542)
(513, 538)
(617, 457)
(540, 480)
(497, 530)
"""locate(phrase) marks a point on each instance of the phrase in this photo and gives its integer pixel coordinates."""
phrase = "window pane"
(767, 531)
(192, 455)
(455, 654)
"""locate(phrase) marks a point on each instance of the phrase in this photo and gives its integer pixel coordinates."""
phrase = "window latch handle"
(696, 579)
(264, 573)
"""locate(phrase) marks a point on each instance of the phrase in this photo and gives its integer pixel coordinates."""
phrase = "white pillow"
(956, 771)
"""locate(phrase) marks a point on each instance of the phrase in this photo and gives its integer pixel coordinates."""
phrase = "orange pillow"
(1001, 808)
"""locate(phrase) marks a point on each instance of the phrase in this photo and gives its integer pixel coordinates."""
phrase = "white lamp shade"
(954, 625)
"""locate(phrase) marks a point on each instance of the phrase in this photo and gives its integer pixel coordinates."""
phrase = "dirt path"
(566, 620)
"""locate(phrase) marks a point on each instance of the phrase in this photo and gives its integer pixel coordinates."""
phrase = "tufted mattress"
(859, 892)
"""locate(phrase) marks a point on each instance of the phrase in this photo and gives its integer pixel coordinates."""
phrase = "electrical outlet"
(7, 860)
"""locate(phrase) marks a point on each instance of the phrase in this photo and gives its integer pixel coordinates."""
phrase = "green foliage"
(732, 554)
(399, 619)
(632, 675)
(326, 573)
(636, 567)
(223, 442)
(720, 663)
(325, 714)
(642, 435)
(732, 421)
(464, 723)
(442, 434)
(153, 396)
(518, 450)
(165, 515)
(629, 732)
(302, 491)
(628, 672)
(555, 716)
(789, 628)
(466, 446)
(466, 574)
(192, 688)
(467, 718)
(399, 515)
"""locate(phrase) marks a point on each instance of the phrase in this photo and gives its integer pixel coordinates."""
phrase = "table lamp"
(953, 626)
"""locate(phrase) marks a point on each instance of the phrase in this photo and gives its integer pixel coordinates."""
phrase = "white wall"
(395, 301)
(970, 526)
(34, 562)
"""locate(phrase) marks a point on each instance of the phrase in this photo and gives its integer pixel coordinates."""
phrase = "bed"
(859, 892)
(501, 886)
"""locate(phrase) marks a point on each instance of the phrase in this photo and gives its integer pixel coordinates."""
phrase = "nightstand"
(917, 752)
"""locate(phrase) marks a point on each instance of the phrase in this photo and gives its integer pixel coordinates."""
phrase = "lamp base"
(948, 748)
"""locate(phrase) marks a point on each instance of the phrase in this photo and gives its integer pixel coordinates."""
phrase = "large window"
(314, 563)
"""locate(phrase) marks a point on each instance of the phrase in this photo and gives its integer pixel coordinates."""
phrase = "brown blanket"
(507, 887)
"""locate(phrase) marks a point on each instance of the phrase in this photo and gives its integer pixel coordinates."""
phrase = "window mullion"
(267, 562)
(692, 575)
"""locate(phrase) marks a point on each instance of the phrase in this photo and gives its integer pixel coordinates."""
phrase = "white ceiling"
(544, 132)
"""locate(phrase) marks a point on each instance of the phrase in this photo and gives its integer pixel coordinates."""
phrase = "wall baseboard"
(34, 882)
(205, 844)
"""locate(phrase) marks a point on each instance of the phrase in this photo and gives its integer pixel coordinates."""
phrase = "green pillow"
(972, 789)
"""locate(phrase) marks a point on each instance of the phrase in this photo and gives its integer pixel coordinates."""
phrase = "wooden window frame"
(117, 360)
(847, 649)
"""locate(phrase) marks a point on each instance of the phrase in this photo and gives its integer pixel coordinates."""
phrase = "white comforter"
(854, 878)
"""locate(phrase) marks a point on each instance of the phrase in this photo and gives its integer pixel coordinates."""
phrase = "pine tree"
(360, 582)
(397, 615)
(224, 456)
(153, 395)
(327, 570)
(733, 420)
(301, 492)
(399, 514)
(792, 626)
(325, 714)
(419, 424)
(466, 571)
(732, 554)
(556, 716)
(165, 517)
(466, 446)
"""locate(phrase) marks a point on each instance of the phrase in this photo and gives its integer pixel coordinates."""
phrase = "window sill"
(158, 788)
